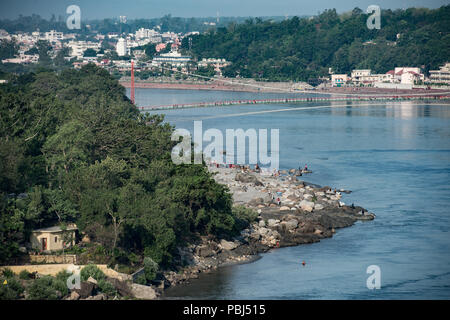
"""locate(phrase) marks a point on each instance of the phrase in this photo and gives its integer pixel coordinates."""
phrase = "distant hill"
(167, 23)
(304, 48)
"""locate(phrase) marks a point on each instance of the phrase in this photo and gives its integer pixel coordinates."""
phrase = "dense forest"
(301, 49)
(74, 149)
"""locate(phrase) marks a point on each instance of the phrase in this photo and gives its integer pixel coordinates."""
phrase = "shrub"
(150, 269)
(243, 217)
(8, 273)
(63, 276)
(107, 288)
(11, 290)
(24, 275)
(91, 271)
(43, 289)
(141, 279)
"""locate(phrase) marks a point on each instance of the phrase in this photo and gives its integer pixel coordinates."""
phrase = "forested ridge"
(74, 149)
(301, 49)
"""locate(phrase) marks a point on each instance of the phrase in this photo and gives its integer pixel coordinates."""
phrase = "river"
(394, 156)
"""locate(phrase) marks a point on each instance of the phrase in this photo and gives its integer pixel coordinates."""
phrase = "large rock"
(228, 245)
(273, 222)
(318, 206)
(247, 178)
(122, 287)
(73, 296)
(86, 289)
(263, 231)
(307, 205)
(92, 280)
(204, 251)
(290, 224)
(140, 291)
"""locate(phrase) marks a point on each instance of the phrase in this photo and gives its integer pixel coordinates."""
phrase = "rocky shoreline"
(306, 214)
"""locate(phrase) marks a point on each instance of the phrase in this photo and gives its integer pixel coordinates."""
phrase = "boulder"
(255, 202)
(121, 286)
(273, 222)
(228, 245)
(263, 231)
(73, 296)
(92, 280)
(283, 208)
(262, 223)
(247, 178)
(86, 289)
(307, 205)
(204, 251)
(140, 291)
(291, 224)
(318, 206)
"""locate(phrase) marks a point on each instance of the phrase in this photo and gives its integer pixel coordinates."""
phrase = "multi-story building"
(79, 47)
(53, 36)
(121, 47)
(173, 58)
(339, 80)
(442, 75)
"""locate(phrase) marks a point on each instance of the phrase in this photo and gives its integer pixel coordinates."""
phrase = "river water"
(395, 157)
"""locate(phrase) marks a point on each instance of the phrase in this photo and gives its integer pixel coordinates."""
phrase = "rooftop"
(56, 229)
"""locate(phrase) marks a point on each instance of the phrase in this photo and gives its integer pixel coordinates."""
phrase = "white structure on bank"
(339, 80)
(442, 75)
(121, 47)
(173, 58)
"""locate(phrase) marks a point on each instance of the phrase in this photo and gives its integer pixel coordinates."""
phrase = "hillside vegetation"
(301, 49)
(74, 149)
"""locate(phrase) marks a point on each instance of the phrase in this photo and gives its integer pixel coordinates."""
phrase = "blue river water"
(394, 156)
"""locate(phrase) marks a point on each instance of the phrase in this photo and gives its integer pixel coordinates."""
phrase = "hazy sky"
(92, 9)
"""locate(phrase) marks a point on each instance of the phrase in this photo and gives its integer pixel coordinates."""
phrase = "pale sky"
(99, 9)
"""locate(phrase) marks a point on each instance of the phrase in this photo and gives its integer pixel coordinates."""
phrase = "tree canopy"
(300, 49)
(78, 151)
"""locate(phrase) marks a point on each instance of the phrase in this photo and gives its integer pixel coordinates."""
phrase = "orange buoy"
(303, 263)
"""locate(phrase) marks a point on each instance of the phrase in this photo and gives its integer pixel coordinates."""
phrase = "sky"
(100, 9)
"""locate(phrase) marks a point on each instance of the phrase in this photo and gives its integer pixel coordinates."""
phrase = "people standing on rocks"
(306, 167)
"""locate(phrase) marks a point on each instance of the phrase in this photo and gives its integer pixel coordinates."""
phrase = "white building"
(173, 58)
(442, 75)
(338, 80)
(53, 36)
(79, 47)
(121, 47)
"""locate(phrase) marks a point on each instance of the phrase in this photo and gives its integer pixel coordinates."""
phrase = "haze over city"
(101, 9)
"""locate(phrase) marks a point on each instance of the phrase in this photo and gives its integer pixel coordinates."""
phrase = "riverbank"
(250, 85)
(290, 212)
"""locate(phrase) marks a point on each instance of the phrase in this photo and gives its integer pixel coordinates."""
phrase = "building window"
(56, 239)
